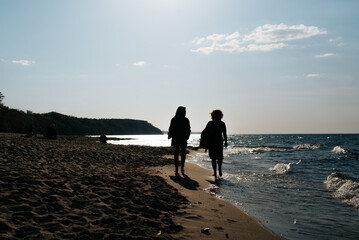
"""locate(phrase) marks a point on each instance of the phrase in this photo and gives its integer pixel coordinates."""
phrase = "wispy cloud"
(271, 33)
(23, 62)
(313, 75)
(324, 55)
(139, 63)
(337, 41)
(263, 38)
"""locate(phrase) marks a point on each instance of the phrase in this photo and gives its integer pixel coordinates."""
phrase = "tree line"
(17, 121)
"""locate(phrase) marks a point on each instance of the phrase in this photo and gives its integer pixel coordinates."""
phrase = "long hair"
(181, 112)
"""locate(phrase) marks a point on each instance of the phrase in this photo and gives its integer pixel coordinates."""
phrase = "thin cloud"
(324, 55)
(313, 75)
(265, 47)
(264, 38)
(219, 42)
(337, 41)
(139, 63)
(270, 33)
(23, 62)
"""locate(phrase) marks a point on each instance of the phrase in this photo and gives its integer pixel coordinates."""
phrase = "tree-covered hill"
(16, 121)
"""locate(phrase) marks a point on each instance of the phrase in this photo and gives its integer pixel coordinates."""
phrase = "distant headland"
(16, 121)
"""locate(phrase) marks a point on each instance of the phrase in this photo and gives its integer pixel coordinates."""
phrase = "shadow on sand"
(185, 181)
(217, 181)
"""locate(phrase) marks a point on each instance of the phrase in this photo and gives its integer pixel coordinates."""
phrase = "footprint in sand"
(231, 221)
(219, 228)
(193, 217)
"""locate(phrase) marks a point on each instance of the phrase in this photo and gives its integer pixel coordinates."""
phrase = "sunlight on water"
(149, 140)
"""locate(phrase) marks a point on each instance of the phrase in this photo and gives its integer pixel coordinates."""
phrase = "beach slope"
(207, 216)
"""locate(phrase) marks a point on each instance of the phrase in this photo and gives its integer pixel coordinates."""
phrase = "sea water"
(298, 186)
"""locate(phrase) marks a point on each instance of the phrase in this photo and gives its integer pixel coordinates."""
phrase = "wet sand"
(76, 188)
(223, 220)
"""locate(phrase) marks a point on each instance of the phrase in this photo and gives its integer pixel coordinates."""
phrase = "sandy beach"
(76, 188)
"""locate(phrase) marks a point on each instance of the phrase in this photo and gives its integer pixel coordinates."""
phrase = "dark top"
(179, 131)
(214, 133)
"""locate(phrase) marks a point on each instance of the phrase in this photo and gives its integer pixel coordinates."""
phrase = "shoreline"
(222, 218)
(73, 187)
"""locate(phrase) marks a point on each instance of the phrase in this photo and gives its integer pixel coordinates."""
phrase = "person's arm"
(170, 130)
(188, 129)
(204, 141)
(225, 135)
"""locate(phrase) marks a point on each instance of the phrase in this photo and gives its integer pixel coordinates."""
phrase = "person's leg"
(214, 166)
(212, 156)
(183, 157)
(220, 166)
(176, 153)
(220, 159)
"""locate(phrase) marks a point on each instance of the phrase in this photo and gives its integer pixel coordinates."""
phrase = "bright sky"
(272, 66)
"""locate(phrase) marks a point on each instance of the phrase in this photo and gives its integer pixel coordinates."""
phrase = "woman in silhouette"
(216, 134)
(179, 131)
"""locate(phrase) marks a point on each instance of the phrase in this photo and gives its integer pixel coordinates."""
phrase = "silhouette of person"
(216, 133)
(51, 131)
(103, 138)
(179, 131)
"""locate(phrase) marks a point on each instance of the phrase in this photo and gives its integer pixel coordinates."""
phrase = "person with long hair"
(215, 134)
(179, 131)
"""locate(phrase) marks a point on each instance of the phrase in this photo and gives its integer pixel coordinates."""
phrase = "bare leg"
(176, 153)
(214, 166)
(183, 157)
(220, 167)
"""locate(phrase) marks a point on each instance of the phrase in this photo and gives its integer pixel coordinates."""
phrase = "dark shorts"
(216, 152)
(179, 142)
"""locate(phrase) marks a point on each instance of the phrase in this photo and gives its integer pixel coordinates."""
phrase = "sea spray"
(344, 188)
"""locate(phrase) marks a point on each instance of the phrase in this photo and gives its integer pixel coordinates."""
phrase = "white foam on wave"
(281, 168)
(213, 190)
(307, 146)
(252, 149)
(344, 188)
(339, 150)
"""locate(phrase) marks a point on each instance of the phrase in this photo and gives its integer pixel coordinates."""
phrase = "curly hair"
(217, 114)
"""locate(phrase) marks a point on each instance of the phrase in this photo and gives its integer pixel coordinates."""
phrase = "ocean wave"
(281, 168)
(260, 149)
(339, 150)
(254, 149)
(344, 188)
(307, 146)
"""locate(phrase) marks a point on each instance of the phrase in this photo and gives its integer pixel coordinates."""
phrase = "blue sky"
(271, 66)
